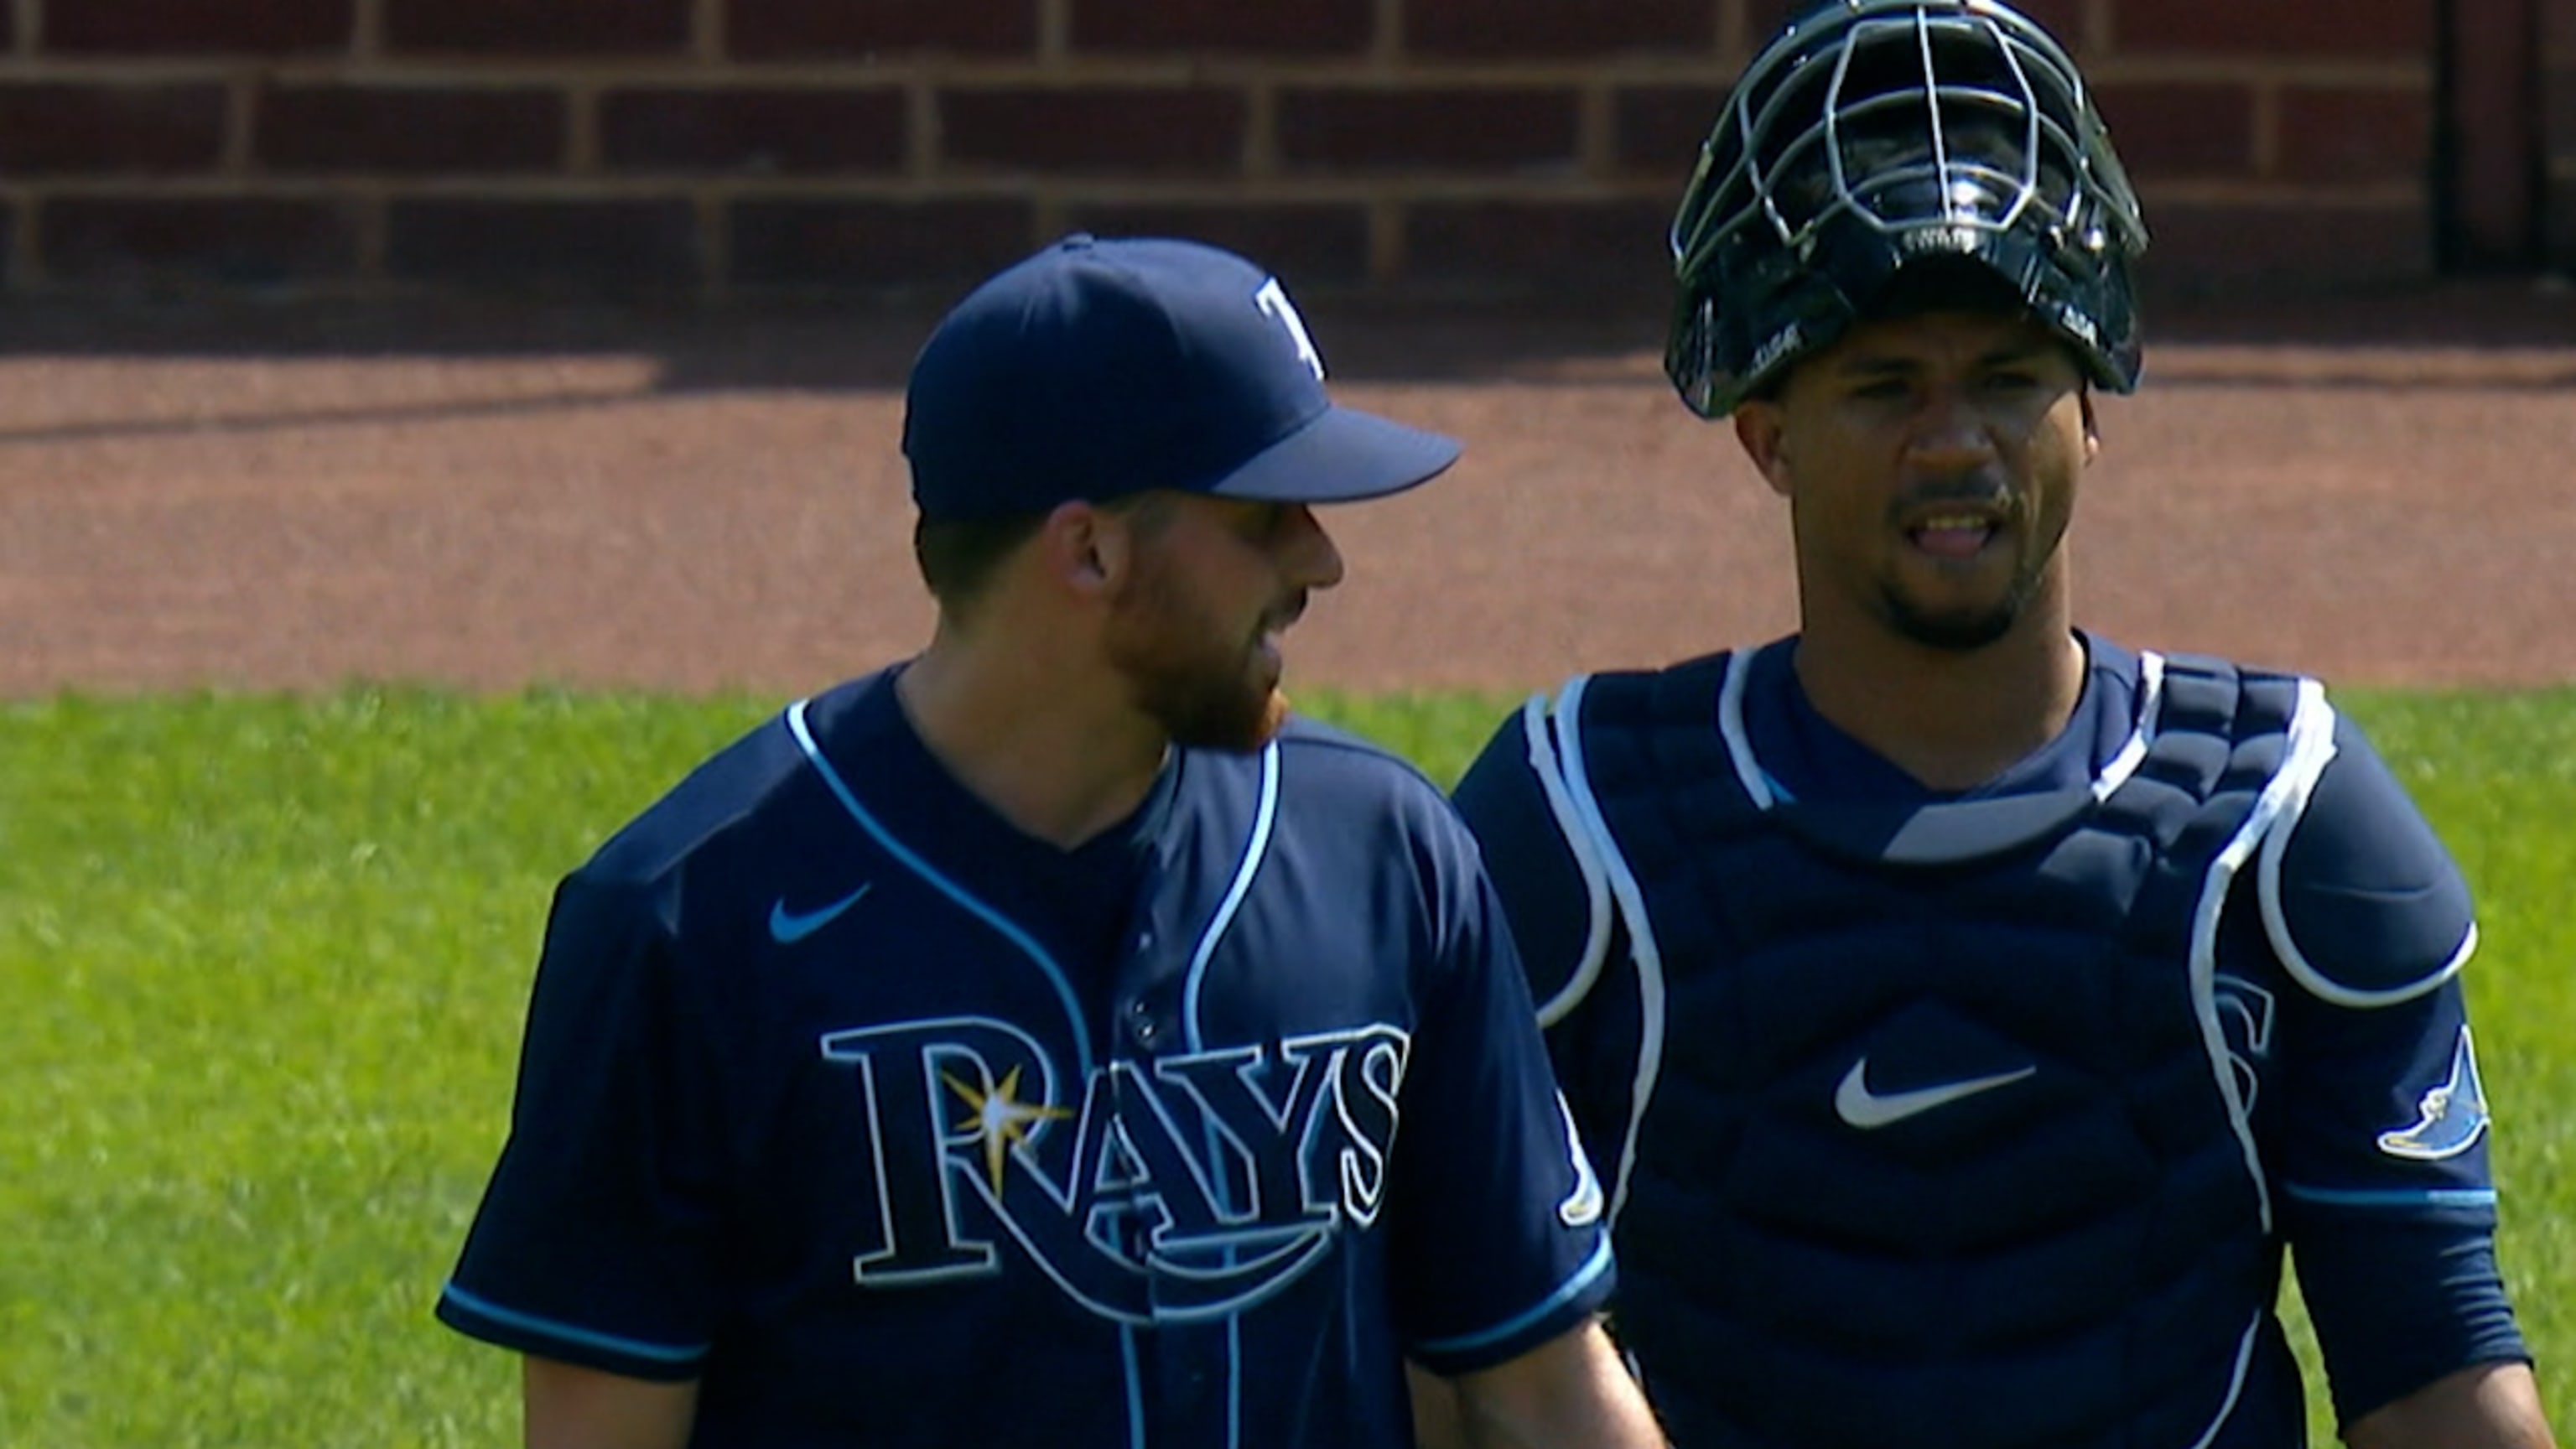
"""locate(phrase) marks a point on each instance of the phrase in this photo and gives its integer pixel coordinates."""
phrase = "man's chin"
(1959, 631)
(1241, 727)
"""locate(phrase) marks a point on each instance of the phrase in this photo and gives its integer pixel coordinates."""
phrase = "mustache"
(1980, 490)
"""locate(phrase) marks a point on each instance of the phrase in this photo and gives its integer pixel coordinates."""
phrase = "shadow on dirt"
(2511, 334)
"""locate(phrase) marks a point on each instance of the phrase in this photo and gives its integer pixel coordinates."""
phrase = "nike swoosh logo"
(1855, 1103)
(788, 927)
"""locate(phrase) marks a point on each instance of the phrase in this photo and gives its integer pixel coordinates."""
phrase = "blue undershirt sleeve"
(2373, 1117)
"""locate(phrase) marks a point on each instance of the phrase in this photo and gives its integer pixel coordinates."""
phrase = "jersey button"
(1141, 1023)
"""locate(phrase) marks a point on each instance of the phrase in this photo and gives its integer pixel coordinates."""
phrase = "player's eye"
(1262, 522)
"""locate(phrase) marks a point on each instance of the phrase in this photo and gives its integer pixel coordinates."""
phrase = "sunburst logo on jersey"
(999, 1119)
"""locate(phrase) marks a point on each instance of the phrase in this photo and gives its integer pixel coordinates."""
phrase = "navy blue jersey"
(891, 1125)
(2336, 1011)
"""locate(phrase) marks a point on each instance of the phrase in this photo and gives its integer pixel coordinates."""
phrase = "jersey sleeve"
(1499, 1242)
(2377, 1121)
(595, 1239)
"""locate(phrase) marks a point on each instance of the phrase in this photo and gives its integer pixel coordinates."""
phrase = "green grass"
(262, 964)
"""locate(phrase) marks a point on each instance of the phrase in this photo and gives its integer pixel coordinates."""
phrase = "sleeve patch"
(2450, 1118)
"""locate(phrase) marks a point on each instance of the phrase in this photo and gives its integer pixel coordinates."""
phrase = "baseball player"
(1967, 1010)
(1045, 1040)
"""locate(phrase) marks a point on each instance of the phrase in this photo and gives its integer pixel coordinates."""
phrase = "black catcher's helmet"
(1873, 133)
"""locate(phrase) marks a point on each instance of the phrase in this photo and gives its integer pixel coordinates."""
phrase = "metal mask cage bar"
(2019, 77)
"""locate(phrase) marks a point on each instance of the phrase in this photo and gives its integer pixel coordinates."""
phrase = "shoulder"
(1337, 758)
(2362, 903)
(1332, 793)
(736, 784)
(1530, 799)
(740, 821)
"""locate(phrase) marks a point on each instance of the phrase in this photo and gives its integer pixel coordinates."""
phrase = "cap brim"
(1342, 456)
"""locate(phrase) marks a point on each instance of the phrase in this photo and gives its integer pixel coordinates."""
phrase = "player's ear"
(1761, 429)
(1083, 548)
(2092, 425)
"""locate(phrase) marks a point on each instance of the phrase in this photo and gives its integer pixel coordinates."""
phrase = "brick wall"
(1438, 146)
(2558, 130)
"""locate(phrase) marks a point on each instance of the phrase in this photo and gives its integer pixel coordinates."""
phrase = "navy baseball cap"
(1101, 367)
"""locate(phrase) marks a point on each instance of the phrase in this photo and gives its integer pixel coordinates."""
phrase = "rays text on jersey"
(1172, 1189)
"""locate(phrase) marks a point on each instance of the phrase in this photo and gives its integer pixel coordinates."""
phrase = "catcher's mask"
(1870, 134)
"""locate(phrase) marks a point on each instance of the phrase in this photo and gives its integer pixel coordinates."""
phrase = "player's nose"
(1949, 433)
(1313, 560)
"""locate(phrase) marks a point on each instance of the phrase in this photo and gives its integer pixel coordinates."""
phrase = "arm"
(570, 1407)
(1571, 1390)
(2380, 1125)
(2491, 1406)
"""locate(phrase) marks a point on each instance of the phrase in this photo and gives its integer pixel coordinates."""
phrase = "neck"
(1058, 754)
(1951, 719)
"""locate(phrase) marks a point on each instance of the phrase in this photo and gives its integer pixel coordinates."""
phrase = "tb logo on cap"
(1273, 299)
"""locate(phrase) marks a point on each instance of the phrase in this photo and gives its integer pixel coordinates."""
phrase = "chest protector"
(1937, 1138)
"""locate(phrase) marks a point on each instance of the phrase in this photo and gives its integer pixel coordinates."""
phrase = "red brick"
(2558, 107)
(2213, 247)
(1314, 246)
(600, 246)
(2492, 150)
(759, 131)
(799, 29)
(1313, 27)
(2181, 129)
(2355, 135)
(1658, 129)
(2559, 224)
(233, 241)
(2062, 19)
(58, 128)
(1554, 29)
(938, 247)
(1368, 130)
(537, 27)
(198, 27)
(2558, 115)
(1102, 130)
(465, 131)
(2308, 29)
(1616, 248)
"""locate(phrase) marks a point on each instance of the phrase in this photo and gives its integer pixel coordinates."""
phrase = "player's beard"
(1962, 631)
(1207, 688)
(1957, 631)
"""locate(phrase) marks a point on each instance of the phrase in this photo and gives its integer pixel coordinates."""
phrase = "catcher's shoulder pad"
(1513, 800)
(2363, 905)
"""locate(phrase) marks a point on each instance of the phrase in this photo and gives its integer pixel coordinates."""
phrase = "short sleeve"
(595, 1239)
(1498, 1237)
(2374, 1113)
(2380, 1106)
